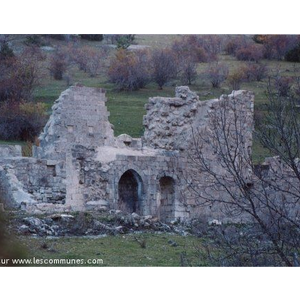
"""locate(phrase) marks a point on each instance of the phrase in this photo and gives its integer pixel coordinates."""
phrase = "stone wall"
(10, 151)
(80, 165)
(79, 116)
(279, 184)
(96, 181)
(225, 126)
(31, 181)
(168, 120)
(171, 122)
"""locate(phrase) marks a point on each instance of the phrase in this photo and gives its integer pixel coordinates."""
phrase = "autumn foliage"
(277, 46)
(20, 74)
(250, 53)
(129, 70)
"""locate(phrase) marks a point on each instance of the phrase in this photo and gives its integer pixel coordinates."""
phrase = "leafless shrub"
(20, 75)
(164, 66)
(255, 71)
(216, 73)
(58, 64)
(188, 70)
(21, 121)
(250, 53)
(283, 85)
(89, 59)
(277, 46)
(234, 43)
(188, 47)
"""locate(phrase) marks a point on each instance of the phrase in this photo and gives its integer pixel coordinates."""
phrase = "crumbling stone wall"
(79, 164)
(279, 184)
(168, 120)
(171, 123)
(10, 151)
(97, 178)
(225, 126)
(27, 180)
(79, 117)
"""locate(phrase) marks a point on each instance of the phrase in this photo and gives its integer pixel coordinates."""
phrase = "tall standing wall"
(79, 117)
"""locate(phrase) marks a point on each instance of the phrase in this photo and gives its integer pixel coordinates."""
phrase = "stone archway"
(130, 189)
(166, 205)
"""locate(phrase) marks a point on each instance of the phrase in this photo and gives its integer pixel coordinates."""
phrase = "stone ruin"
(79, 165)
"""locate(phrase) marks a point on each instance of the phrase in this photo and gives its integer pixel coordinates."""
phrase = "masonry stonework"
(80, 165)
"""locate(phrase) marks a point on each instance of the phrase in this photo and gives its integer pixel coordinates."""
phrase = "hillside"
(127, 107)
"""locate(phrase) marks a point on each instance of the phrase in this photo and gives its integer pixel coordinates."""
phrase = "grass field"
(119, 250)
(127, 108)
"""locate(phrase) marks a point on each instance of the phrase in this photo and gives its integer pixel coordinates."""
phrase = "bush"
(89, 59)
(20, 75)
(6, 52)
(188, 70)
(164, 66)
(259, 38)
(231, 48)
(27, 149)
(33, 39)
(216, 74)
(293, 55)
(129, 70)
(250, 53)
(92, 37)
(277, 46)
(211, 43)
(58, 64)
(124, 41)
(236, 78)
(21, 121)
(283, 85)
(235, 43)
(188, 47)
(255, 71)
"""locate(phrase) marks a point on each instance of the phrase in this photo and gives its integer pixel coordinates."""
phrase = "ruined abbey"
(79, 165)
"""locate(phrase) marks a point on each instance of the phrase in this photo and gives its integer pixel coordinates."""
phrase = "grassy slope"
(118, 250)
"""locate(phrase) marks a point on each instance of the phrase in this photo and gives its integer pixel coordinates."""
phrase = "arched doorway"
(166, 205)
(130, 192)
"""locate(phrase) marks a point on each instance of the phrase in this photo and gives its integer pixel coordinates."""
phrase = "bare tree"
(58, 63)
(89, 59)
(188, 70)
(255, 71)
(266, 196)
(164, 66)
(216, 73)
